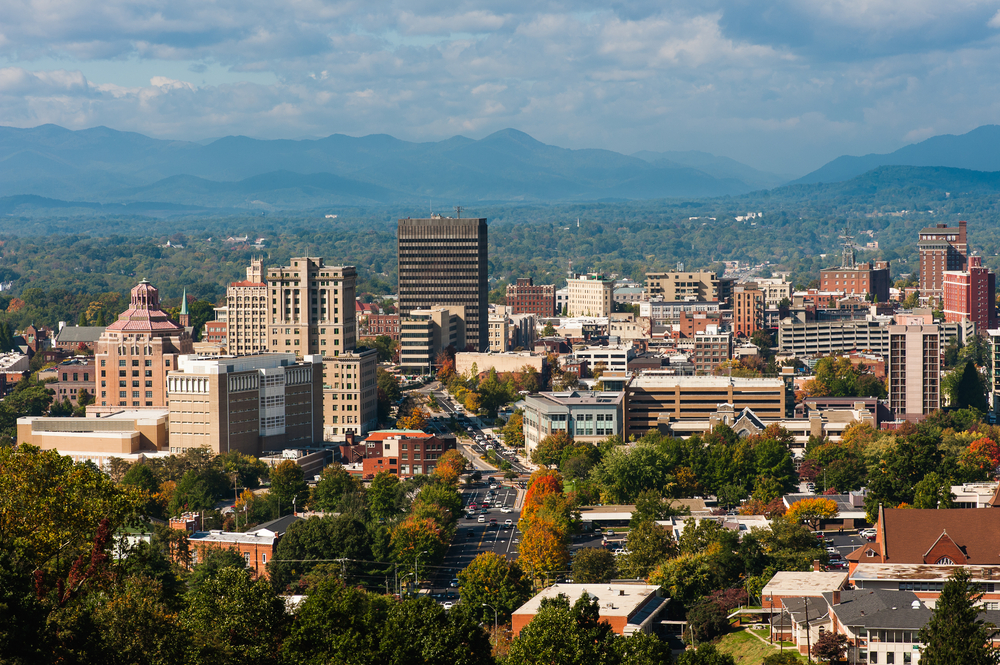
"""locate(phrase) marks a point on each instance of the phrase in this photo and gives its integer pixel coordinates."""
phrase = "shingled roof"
(916, 536)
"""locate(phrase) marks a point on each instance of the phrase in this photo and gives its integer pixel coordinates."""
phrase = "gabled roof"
(995, 501)
(879, 608)
(280, 525)
(75, 334)
(911, 533)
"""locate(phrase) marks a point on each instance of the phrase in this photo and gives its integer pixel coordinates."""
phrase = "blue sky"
(782, 85)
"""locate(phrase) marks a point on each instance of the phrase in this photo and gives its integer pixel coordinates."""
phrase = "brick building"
(914, 371)
(711, 348)
(383, 324)
(971, 295)
(941, 249)
(74, 377)
(134, 353)
(406, 453)
(871, 277)
(628, 607)
(748, 310)
(246, 312)
(216, 332)
(258, 546)
(523, 297)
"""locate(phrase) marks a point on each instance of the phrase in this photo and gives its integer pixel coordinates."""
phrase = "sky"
(782, 85)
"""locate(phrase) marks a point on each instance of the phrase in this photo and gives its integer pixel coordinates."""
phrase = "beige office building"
(590, 295)
(914, 371)
(653, 397)
(700, 285)
(311, 308)
(129, 435)
(250, 403)
(246, 312)
(350, 394)
(427, 332)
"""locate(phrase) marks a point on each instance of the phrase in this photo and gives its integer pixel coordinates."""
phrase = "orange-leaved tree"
(983, 454)
(417, 419)
(450, 466)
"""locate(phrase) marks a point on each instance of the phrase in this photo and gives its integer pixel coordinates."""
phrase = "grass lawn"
(747, 649)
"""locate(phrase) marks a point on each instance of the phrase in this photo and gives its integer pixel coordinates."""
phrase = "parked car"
(454, 583)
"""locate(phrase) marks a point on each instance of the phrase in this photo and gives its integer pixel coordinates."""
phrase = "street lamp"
(416, 579)
(495, 615)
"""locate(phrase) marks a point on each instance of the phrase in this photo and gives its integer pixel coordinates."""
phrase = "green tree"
(137, 625)
(335, 483)
(648, 544)
(705, 654)
(550, 449)
(491, 578)
(388, 392)
(246, 470)
(213, 559)
(288, 484)
(933, 491)
(781, 658)
(549, 330)
(559, 634)
(955, 633)
(513, 431)
(319, 538)
(419, 630)
(198, 490)
(593, 564)
(968, 391)
(233, 619)
(383, 496)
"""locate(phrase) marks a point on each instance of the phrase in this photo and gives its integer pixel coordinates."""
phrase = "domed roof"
(144, 313)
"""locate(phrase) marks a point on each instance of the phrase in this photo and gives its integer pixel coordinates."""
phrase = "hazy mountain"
(105, 165)
(979, 150)
(713, 165)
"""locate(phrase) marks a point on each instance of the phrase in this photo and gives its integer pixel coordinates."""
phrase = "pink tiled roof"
(144, 313)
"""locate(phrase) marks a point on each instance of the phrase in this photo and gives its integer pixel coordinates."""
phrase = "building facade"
(871, 277)
(748, 310)
(443, 262)
(523, 297)
(668, 312)
(312, 308)
(711, 349)
(971, 295)
(246, 312)
(941, 249)
(427, 332)
(350, 394)
(585, 416)
(135, 353)
(383, 324)
(653, 398)
(74, 377)
(590, 295)
(702, 285)
(249, 403)
(914, 370)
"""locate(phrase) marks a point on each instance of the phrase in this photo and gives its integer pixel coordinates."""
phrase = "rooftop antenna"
(458, 212)
(848, 258)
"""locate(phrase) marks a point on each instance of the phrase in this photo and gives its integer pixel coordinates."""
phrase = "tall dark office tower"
(443, 261)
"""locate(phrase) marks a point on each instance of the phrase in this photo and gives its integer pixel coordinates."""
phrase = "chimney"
(836, 597)
(816, 566)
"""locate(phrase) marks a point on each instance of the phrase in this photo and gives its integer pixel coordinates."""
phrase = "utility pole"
(808, 645)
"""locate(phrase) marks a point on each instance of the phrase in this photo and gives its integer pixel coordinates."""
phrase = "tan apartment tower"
(134, 354)
(311, 308)
(246, 312)
(914, 370)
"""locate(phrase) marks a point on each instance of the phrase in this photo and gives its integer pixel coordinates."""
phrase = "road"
(473, 537)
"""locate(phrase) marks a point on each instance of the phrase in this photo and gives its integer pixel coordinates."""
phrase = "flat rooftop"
(791, 583)
(615, 599)
(667, 381)
(902, 571)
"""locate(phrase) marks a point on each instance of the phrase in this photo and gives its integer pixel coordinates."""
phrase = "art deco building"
(134, 354)
(246, 312)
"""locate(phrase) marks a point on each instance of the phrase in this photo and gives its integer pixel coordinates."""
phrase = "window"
(873, 657)
(263, 558)
(121, 393)
(890, 657)
(103, 362)
(149, 363)
(135, 363)
(121, 363)
(149, 394)
(135, 393)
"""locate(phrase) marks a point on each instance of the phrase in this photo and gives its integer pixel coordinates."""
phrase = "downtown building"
(914, 370)
(590, 295)
(523, 297)
(134, 354)
(245, 330)
(941, 249)
(312, 312)
(443, 261)
(971, 296)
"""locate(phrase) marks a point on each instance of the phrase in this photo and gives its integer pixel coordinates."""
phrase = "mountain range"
(978, 150)
(107, 166)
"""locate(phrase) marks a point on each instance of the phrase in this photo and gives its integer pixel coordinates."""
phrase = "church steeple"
(185, 318)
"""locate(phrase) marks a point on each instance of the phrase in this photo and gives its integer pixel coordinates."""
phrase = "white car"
(506, 509)
(482, 518)
(508, 523)
(447, 605)
(620, 552)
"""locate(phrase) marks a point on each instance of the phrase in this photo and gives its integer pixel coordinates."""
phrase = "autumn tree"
(830, 647)
(513, 431)
(450, 466)
(334, 486)
(550, 449)
(813, 511)
(490, 578)
(413, 537)
(415, 420)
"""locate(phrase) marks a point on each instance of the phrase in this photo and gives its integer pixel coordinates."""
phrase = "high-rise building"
(443, 261)
(971, 295)
(246, 313)
(941, 249)
(134, 353)
(311, 308)
(914, 370)
(748, 310)
(350, 394)
(250, 404)
(523, 297)
(590, 295)
(995, 371)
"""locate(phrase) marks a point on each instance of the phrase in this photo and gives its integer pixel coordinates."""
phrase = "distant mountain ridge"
(978, 150)
(106, 165)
